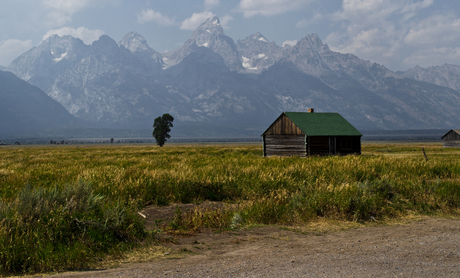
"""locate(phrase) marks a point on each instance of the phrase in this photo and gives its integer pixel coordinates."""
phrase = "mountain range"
(25, 107)
(445, 75)
(214, 86)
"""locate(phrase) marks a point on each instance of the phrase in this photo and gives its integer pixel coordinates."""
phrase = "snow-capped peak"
(210, 26)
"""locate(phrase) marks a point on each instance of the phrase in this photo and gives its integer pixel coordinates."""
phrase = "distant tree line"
(74, 141)
(59, 143)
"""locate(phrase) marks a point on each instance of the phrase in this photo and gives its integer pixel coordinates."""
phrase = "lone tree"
(161, 128)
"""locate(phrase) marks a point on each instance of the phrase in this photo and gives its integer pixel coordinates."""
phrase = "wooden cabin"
(451, 139)
(304, 134)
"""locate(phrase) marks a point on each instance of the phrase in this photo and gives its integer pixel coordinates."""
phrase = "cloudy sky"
(396, 33)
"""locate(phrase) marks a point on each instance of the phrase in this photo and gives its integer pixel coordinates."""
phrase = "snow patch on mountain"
(247, 64)
(60, 58)
(289, 43)
(259, 52)
(211, 35)
(262, 39)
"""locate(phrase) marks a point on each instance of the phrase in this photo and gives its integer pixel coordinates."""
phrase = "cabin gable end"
(283, 126)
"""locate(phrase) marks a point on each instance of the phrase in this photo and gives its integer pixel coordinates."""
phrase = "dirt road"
(428, 248)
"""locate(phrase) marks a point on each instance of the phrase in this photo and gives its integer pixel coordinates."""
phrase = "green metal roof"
(322, 124)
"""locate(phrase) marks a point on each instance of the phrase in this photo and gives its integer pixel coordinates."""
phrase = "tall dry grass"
(388, 180)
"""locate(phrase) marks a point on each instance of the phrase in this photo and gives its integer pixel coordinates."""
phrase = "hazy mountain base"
(192, 133)
(179, 131)
(25, 108)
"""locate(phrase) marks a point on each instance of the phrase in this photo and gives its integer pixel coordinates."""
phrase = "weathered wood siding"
(283, 126)
(451, 144)
(451, 140)
(284, 145)
(451, 136)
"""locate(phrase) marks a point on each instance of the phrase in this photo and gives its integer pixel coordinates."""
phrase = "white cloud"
(372, 43)
(83, 33)
(67, 6)
(433, 56)
(306, 22)
(414, 7)
(209, 4)
(60, 11)
(379, 44)
(379, 30)
(436, 30)
(251, 8)
(12, 48)
(150, 15)
(195, 20)
(225, 20)
(367, 11)
(58, 19)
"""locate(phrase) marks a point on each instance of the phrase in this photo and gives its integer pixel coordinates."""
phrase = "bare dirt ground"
(428, 247)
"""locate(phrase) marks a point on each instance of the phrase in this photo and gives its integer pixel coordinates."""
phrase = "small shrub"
(200, 218)
(177, 221)
(55, 230)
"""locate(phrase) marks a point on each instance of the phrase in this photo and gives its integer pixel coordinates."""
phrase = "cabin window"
(346, 144)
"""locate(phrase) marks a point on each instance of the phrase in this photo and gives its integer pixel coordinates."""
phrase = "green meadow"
(67, 207)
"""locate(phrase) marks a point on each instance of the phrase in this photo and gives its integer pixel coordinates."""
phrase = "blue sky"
(398, 34)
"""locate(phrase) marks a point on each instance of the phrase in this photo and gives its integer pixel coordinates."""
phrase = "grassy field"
(66, 207)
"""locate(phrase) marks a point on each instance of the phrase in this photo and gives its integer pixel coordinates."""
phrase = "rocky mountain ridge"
(213, 81)
(209, 34)
(257, 53)
(445, 75)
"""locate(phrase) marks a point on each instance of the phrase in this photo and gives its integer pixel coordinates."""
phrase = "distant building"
(451, 139)
(304, 134)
